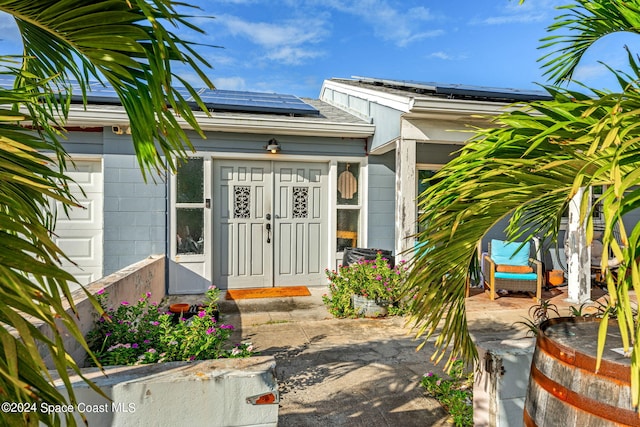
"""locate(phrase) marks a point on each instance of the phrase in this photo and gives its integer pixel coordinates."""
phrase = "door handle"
(268, 232)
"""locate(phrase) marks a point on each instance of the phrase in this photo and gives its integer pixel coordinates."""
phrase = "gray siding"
(382, 194)
(289, 145)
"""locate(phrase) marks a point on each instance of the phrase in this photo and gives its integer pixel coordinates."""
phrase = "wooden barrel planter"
(564, 389)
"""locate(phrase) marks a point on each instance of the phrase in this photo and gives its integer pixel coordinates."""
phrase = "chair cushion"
(516, 276)
(514, 269)
(504, 253)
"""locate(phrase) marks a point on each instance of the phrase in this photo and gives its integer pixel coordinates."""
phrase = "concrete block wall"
(135, 220)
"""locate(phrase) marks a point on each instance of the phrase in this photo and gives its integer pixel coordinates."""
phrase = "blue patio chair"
(509, 267)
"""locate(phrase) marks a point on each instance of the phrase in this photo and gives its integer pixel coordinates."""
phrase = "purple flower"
(223, 326)
(100, 292)
(155, 323)
(108, 334)
(134, 345)
(201, 314)
(146, 341)
(210, 331)
(192, 358)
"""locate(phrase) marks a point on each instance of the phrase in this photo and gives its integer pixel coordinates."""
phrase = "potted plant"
(366, 288)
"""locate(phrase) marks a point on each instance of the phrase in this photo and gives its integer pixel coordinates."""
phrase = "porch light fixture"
(273, 146)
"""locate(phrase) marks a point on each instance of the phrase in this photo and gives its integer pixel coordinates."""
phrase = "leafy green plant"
(142, 333)
(538, 313)
(455, 393)
(372, 279)
(526, 166)
(133, 45)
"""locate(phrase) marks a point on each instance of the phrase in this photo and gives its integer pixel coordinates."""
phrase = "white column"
(578, 253)
(406, 209)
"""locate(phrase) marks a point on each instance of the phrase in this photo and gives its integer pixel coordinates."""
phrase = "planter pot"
(564, 388)
(555, 277)
(353, 255)
(369, 308)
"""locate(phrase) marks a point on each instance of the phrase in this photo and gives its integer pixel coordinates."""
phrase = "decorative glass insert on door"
(190, 207)
(241, 201)
(300, 202)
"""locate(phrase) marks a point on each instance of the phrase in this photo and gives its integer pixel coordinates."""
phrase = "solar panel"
(256, 102)
(214, 99)
(464, 90)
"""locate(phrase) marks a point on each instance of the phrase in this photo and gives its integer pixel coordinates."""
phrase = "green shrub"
(454, 393)
(141, 333)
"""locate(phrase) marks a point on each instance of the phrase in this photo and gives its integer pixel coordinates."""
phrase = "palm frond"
(579, 27)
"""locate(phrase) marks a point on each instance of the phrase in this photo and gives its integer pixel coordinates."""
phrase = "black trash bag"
(353, 255)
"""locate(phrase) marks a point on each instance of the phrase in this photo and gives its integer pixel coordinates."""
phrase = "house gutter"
(254, 123)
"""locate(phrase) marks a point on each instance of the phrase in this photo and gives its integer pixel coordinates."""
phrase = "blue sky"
(291, 46)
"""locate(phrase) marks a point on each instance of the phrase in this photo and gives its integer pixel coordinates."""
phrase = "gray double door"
(269, 223)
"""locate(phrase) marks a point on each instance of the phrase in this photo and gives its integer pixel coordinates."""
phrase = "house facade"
(270, 197)
(279, 186)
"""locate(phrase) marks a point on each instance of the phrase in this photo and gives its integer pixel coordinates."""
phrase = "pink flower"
(124, 303)
(148, 294)
(146, 341)
(210, 331)
(100, 292)
(151, 350)
(201, 314)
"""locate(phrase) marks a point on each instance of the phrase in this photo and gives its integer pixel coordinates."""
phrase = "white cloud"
(291, 32)
(289, 42)
(292, 55)
(528, 12)
(230, 83)
(446, 56)
(399, 26)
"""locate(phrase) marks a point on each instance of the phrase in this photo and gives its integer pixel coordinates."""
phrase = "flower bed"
(372, 279)
(142, 332)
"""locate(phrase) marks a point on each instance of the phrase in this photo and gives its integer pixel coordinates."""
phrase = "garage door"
(79, 234)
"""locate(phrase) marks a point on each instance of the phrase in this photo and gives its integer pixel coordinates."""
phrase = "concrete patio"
(359, 372)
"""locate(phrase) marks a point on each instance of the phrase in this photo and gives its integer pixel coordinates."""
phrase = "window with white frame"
(190, 207)
(348, 207)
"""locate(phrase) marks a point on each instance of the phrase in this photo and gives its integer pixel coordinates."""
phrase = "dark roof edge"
(458, 91)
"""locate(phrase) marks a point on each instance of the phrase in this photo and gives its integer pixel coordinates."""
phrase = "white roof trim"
(416, 104)
(397, 102)
(92, 116)
(385, 148)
